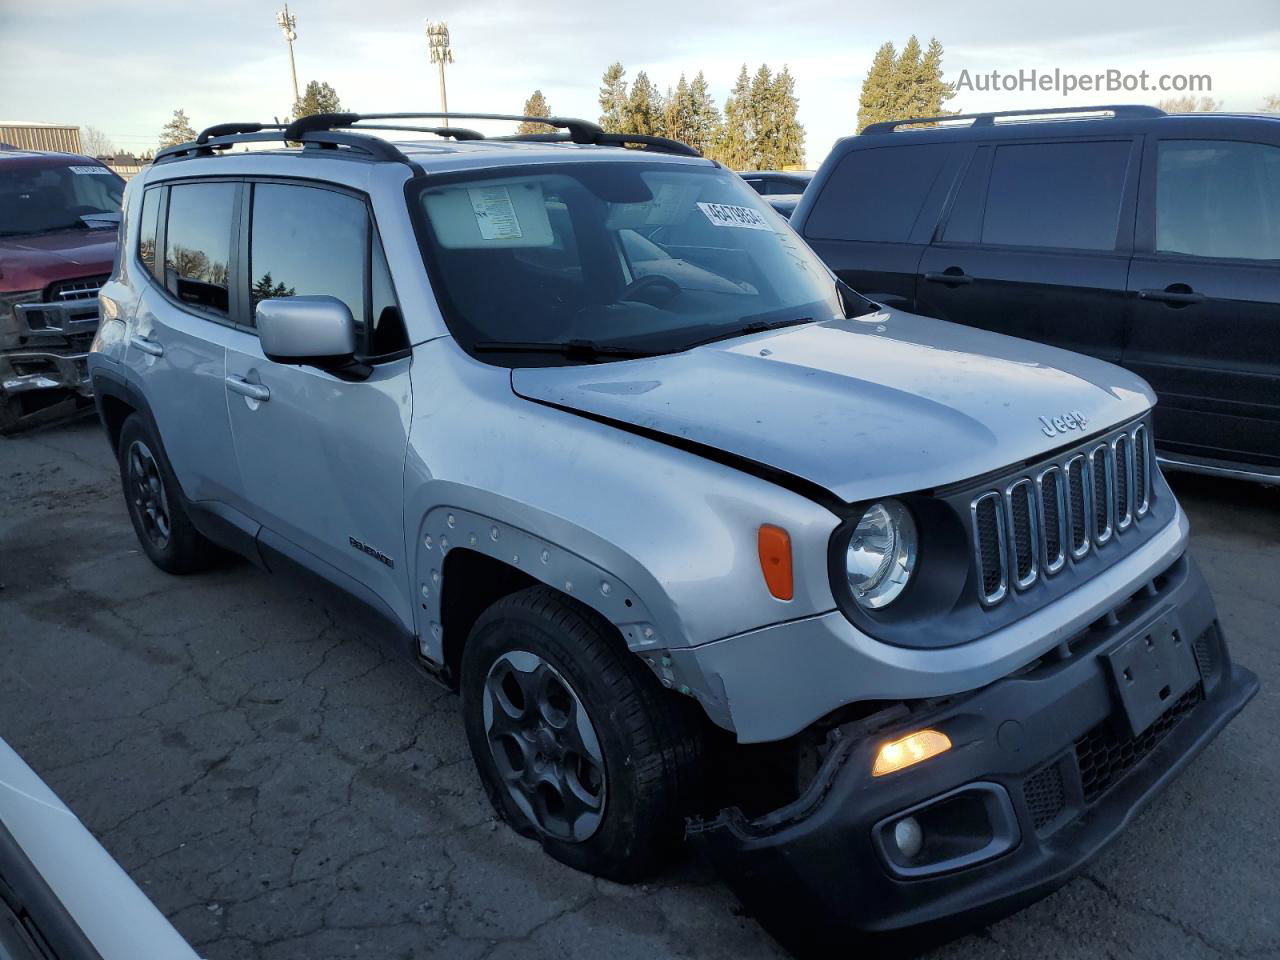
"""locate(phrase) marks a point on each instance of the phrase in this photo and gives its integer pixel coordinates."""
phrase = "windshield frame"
(694, 335)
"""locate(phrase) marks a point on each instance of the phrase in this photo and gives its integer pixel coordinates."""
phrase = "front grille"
(1105, 756)
(1081, 501)
(84, 288)
(1046, 798)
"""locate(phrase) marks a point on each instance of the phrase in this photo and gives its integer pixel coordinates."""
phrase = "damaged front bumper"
(43, 351)
(1044, 771)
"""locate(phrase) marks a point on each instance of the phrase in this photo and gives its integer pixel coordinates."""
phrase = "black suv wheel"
(577, 744)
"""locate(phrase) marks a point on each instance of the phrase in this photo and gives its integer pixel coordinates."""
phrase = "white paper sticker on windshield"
(495, 214)
(90, 170)
(728, 215)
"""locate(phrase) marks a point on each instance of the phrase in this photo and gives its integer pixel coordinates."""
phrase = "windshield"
(45, 199)
(650, 257)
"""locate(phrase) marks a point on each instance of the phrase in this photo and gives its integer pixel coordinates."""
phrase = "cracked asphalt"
(281, 788)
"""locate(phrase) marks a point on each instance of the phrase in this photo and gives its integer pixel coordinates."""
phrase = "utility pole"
(288, 25)
(441, 53)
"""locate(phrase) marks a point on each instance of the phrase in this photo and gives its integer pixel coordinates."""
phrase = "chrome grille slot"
(989, 547)
(1141, 477)
(1033, 523)
(1024, 542)
(1122, 458)
(1053, 519)
(1103, 493)
(1079, 502)
(85, 288)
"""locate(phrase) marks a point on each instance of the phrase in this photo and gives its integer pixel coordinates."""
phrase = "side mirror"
(314, 330)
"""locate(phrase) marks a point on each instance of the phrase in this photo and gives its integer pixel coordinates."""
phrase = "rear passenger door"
(322, 456)
(177, 350)
(1206, 306)
(873, 216)
(1036, 244)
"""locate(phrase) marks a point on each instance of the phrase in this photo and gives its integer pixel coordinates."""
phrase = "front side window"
(46, 199)
(1056, 194)
(1218, 198)
(650, 257)
(197, 255)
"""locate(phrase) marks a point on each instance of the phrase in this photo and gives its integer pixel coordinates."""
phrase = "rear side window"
(1056, 194)
(148, 224)
(307, 241)
(1218, 198)
(197, 254)
(876, 194)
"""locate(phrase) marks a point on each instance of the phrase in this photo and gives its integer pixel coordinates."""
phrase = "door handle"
(1173, 295)
(147, 346)
(254, 391)
(949, 278)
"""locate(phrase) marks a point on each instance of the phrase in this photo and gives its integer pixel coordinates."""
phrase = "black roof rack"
(1122, 110)
(333, 130)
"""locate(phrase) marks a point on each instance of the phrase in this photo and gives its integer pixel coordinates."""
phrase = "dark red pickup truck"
(58, 218)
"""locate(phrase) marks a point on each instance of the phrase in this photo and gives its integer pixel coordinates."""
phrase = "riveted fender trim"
(448, 528)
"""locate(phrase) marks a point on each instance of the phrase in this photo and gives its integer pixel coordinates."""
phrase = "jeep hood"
(878, 405)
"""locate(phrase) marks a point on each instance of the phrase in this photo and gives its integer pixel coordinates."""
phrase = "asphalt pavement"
(282, 788)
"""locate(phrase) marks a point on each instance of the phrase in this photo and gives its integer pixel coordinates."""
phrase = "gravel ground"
(280, 788)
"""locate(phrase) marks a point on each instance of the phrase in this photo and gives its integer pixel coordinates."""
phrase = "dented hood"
(868, 407)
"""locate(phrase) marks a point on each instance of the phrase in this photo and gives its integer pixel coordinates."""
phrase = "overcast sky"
(125, 67)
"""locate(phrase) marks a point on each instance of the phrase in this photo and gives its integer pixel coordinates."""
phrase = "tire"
(648, 743)
(155, 504)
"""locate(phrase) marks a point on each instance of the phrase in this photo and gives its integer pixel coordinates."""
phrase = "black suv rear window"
(1056, 194)
(876, 194)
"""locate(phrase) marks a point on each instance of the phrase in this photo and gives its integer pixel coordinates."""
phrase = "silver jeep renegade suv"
(892, 619)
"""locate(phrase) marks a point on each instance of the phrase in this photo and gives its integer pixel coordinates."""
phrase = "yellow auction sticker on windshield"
(495, 213)
(728, 215)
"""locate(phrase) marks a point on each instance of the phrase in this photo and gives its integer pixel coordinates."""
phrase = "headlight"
(881, 554)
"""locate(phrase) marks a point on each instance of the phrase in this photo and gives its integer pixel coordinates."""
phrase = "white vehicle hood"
(878, 405)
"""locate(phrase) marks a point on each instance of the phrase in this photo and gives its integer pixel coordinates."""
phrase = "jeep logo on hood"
(1052, 426)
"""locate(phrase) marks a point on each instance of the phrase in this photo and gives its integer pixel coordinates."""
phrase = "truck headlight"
(881, 554)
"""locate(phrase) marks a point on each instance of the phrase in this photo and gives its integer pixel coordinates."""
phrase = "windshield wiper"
(755, 326)
(572, 349)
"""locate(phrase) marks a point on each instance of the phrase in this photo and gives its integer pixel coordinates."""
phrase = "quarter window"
(197, 255)
(1056, 194)
(1218, 198)
(148, 224)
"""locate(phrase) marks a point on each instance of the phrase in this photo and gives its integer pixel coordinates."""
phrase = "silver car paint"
(305, 327)
(116, 917)
(859, 407)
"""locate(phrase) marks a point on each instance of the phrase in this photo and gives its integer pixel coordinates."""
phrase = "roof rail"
(1122, 110)
(603, 139)
(580, 131)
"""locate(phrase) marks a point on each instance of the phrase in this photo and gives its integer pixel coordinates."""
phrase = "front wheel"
(576, 742)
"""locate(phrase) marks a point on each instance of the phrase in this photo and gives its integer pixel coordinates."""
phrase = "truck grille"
(85, 288)
(1065, 508)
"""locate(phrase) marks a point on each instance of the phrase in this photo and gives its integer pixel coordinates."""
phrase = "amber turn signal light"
(909, 750)
(775, 561)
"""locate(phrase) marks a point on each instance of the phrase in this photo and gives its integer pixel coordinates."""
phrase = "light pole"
(441, 53)
(288, 25)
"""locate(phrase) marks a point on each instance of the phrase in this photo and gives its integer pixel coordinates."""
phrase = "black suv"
(1146, 239)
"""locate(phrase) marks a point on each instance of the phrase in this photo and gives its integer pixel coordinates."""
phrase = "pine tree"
(876, 102)
(677, 112)
(177, 130)
(704, 116)
(933, 91)
(613, 98)
(733, 145)
(760, 131)
(906, 80)
(644, 107)
(788, 132)
(317, 98)
(535, 106)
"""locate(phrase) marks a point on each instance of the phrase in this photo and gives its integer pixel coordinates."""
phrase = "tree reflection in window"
(267, 289)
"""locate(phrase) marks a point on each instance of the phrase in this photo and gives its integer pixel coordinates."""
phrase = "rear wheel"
(576, 742)
(155, 504)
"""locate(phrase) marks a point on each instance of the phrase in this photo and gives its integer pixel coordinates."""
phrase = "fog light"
(909, 750)
(908, 836)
